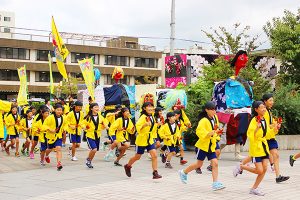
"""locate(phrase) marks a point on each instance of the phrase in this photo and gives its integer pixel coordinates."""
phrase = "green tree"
(220, 70)
(67, 88)
(284, 35)
(287, 106)
(229, 42)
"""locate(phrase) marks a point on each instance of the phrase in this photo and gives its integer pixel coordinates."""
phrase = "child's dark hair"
(90, 113)
(42, 111)
(255, 105)
(210, 105)
(169, 114)
(266, 97)
(157, 110)
(123, 110)
(146, 104)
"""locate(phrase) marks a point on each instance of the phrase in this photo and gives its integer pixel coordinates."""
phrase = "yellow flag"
(22, 95)
(51, 77)
(60, 50)
(5, 106)
(87, 70)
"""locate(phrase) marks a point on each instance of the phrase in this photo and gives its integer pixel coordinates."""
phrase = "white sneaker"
(103, 146)
(74, 158)
(237, 170)
(256, 192)
(239, 157)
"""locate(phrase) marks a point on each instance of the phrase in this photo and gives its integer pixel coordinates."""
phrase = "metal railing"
(69, 38)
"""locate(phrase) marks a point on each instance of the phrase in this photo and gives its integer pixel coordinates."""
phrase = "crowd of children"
(49, 127)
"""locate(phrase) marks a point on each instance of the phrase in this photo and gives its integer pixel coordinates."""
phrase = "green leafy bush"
(287, 106)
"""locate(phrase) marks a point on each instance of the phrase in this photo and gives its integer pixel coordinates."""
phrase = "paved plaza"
(22, 178)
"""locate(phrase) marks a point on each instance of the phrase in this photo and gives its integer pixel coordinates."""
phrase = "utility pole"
(172, 24)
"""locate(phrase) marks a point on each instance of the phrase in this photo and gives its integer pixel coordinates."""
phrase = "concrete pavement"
(22, 178)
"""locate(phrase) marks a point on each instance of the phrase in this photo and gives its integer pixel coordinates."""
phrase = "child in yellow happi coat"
(145, 127)
(121, 128)
(54, 125)
(39, 131)
(26, 129)
(258, 147)
(95, 123)
(75, 123)
(12, 122)
(170, 134)
(206, 145)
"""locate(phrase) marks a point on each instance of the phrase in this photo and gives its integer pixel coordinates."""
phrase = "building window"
(131, 45)
(6, 30)
(7, 19)
(78, 76)
(108, 80)
(116, 60)
(9, 75)
(45, 77)
(42, 55)
(79, 56)
(14, 53)
(145, 62)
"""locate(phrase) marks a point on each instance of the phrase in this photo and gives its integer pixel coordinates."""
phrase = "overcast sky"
(147, 17)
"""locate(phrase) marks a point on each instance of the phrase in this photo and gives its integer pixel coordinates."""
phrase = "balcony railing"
(69, 38)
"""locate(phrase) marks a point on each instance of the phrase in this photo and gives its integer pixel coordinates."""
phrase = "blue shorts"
(112, 138)
(13, 136)
(217, 146)
(1, 138)
(74, 138)
(43, 146)
(272, 144)
(259, 159)
(57, 143)
(34, 138)
(171, 148)
(141, 150)
(93, 144)
(201, 155)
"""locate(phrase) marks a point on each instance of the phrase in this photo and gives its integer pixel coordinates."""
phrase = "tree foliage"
(284, 35)
(67, 88)
(287, 106)
(229, 42)
(220, 70)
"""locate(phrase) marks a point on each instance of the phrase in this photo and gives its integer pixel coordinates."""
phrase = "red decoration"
(279, 122)
(216, 127)
(178, 105)
(118, 74)
(258, 119)
(240, 63)
(162, 120)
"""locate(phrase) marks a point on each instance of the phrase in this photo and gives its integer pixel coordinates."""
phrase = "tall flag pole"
(51, 76)
(23, 91)
(60, 50)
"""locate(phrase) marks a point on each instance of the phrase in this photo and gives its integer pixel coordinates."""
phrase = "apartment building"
(31, 49)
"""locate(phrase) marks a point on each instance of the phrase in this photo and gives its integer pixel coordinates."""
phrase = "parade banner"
(51, 76)
(60, 50)
(175, 70)
(22, 95)
(87, 70)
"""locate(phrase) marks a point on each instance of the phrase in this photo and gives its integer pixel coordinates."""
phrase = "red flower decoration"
(258, 119)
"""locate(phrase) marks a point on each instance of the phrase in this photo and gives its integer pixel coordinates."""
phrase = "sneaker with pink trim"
(31, 155)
